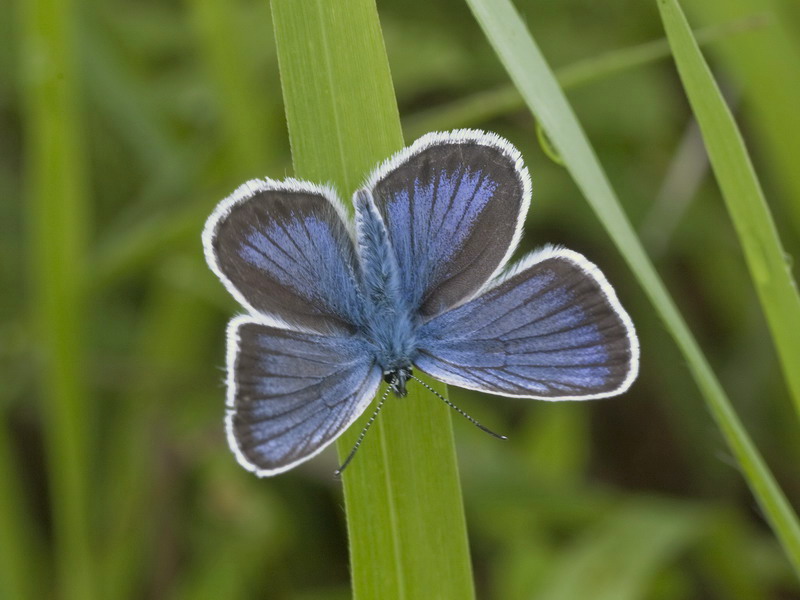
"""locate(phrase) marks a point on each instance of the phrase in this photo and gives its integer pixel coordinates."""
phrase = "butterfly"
(418, 280)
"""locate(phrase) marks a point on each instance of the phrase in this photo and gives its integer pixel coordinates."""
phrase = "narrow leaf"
(58, 210)
(402, 493)
(536, 82)
(765, 68)
(742, 193)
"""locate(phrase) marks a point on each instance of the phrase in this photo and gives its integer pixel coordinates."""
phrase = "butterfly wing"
(453, 204)
(290, 394)
(553, 329)
(283, 250)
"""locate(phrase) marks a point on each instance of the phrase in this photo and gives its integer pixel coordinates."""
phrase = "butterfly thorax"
(388, 323)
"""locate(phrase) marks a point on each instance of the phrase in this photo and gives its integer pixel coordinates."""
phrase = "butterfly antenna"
(458, 410)
(350, 456)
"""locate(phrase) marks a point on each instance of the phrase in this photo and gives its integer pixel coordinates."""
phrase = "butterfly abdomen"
(387, 322)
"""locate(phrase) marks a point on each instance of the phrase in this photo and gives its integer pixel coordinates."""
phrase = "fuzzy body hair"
(388, 321)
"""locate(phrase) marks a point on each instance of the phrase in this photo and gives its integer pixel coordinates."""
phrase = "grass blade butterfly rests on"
(417, 282)
(406, 529)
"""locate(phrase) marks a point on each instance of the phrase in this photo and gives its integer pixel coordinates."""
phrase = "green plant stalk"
(405, 514)
(57, 200)
(742, 193)
(532, 75)
(765, 68)
(489, 104)
(247, 130)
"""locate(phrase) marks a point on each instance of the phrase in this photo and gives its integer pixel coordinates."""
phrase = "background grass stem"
(741, 190)
(58, 222)
(530, 72)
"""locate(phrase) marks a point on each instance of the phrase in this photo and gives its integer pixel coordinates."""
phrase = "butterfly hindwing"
(290, 393)
(283, 250)
(453, 204)
(553, 330)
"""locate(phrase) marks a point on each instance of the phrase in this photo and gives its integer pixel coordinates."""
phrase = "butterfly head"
(397, 378)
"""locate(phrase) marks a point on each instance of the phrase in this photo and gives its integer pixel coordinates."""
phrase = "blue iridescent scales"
(417, 280)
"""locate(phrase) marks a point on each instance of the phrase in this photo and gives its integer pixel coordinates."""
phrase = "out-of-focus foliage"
(173, 105)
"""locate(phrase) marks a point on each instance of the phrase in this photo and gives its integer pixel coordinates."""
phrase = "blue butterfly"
(417, 281)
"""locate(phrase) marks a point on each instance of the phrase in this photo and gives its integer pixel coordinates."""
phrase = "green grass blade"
(742, 193)
(765, 68)
(534, 78)
(404, 509)
(57, 202)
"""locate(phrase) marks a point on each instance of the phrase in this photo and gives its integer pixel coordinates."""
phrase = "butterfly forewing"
(453, 205)
(290, 393)
(283, 250)
(554, 330)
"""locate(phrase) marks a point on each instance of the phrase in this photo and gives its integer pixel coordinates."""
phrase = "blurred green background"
(171, 105)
